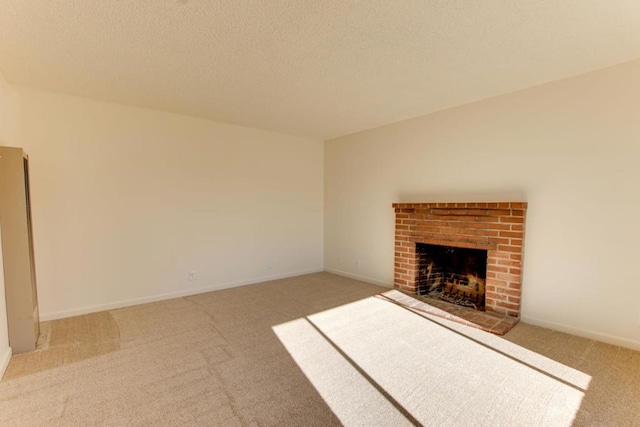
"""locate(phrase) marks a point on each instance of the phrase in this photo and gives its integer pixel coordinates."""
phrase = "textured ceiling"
(319, 68)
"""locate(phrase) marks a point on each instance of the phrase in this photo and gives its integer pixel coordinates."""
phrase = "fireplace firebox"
(454, 275)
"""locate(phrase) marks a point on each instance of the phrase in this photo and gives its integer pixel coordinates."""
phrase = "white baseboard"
(4, 361)
(596, 336)
(177, 294)
(358, 277)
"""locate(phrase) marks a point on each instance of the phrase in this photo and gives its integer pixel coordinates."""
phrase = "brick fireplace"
(497, 228)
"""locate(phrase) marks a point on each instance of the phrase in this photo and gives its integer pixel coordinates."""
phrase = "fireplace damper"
(452, 274)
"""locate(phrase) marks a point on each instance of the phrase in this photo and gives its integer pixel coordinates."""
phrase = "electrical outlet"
(358, 263)
(269, 265)
(192, 275)
(340, 260)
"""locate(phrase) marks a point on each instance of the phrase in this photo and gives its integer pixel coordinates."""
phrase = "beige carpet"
(290, 352)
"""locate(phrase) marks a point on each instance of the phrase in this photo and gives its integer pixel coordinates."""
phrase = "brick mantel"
(497, 228)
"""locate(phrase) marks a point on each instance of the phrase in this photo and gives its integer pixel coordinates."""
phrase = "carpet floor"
(314, 350)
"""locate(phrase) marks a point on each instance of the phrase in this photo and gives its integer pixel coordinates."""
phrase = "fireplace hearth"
(495, 229)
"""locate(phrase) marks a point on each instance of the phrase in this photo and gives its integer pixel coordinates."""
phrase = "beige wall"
(7, 111)
(570, 149)
(127, 201)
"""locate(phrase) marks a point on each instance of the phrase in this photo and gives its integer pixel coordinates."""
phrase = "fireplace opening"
(451, 274)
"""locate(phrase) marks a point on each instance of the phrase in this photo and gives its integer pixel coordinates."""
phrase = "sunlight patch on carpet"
(349, 395)
(440, 373)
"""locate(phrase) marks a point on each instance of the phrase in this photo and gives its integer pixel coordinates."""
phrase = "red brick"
(427, 229)
(448, 230)
(497, 269)
(477, 212)
(506, 248)
(496, 226)
(518, 205)
(495, 296)
(507, 262)
(508, 277)
(465, 225)
(439, 211)
(512, 219)
(500, 255)
(514, 234)
(501, 212)
(478, 232)
(499, 241)
(508, 305)
(497, 283)
(432, 223)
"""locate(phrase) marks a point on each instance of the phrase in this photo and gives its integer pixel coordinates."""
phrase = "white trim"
(597, 336)
(358, 277)
(144, 300)
(4, 361)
